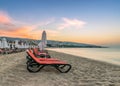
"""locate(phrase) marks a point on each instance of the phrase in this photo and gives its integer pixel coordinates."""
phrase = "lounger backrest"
(29, 50)
(35, 50)
(32, 56)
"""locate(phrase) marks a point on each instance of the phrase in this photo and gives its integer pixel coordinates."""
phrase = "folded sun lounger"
(36, 64)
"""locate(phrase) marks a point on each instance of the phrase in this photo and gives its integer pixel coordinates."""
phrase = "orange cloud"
(13, 28)
(27, 32)
(4, 18)
(24, 30)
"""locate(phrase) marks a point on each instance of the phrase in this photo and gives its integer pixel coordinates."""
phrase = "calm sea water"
(110, 55)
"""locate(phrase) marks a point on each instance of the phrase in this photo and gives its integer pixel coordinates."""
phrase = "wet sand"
(84, 72)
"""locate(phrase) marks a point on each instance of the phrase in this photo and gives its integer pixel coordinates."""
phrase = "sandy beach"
(84, 72)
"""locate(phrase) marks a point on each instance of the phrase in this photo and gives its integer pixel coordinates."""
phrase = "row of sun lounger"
(9, 51)
(37, 60)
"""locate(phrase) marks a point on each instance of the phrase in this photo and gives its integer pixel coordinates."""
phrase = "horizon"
(111, 45)
(82, 21)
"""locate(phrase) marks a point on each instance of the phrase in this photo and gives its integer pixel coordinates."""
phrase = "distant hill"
(52, 43)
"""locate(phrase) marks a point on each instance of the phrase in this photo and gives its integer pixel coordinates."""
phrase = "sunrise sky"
(84, 21)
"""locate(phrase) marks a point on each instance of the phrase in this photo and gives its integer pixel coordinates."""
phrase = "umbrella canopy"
(43, 42)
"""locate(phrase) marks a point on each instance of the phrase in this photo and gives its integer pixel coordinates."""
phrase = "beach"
(84, 72)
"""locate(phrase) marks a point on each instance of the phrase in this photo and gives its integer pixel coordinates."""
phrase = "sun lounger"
(6, 51)
(40, 54)
(1, 51)
(36, 64)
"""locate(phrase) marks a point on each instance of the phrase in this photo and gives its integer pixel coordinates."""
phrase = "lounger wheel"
(33, 67)
(29, 61)
(63, 68)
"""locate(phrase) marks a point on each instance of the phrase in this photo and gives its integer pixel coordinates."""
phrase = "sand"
(84, 72)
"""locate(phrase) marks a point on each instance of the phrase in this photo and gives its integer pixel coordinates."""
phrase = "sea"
(109, 55)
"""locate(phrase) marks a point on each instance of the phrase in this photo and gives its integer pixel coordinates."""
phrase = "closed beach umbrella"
(22, 45)
(43, 42)
(13, 46)
(16, 44)
(41, 46)
(4, 43)
(44, 38)
(0, 44)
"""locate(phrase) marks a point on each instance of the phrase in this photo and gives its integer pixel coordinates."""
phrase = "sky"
(82, 21)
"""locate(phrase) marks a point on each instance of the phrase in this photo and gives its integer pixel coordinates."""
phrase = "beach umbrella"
(4, 43)
(13, 46)
(0, 44)
(28, 46)
(16, 44)
(43, 42)
(44, 38)
(22, 45)
(41, 46)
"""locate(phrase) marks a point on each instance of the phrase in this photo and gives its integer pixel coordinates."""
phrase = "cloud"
(4, 18)
(16, 32)
(43, 23)
(6, 22)
(14, 28)
(68, 23)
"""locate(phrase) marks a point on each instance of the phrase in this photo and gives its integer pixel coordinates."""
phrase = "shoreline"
(84, 72)
(92, 55)
(82, 57)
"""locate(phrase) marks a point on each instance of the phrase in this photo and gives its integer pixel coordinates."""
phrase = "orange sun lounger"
(43, 54)
(35, 64)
